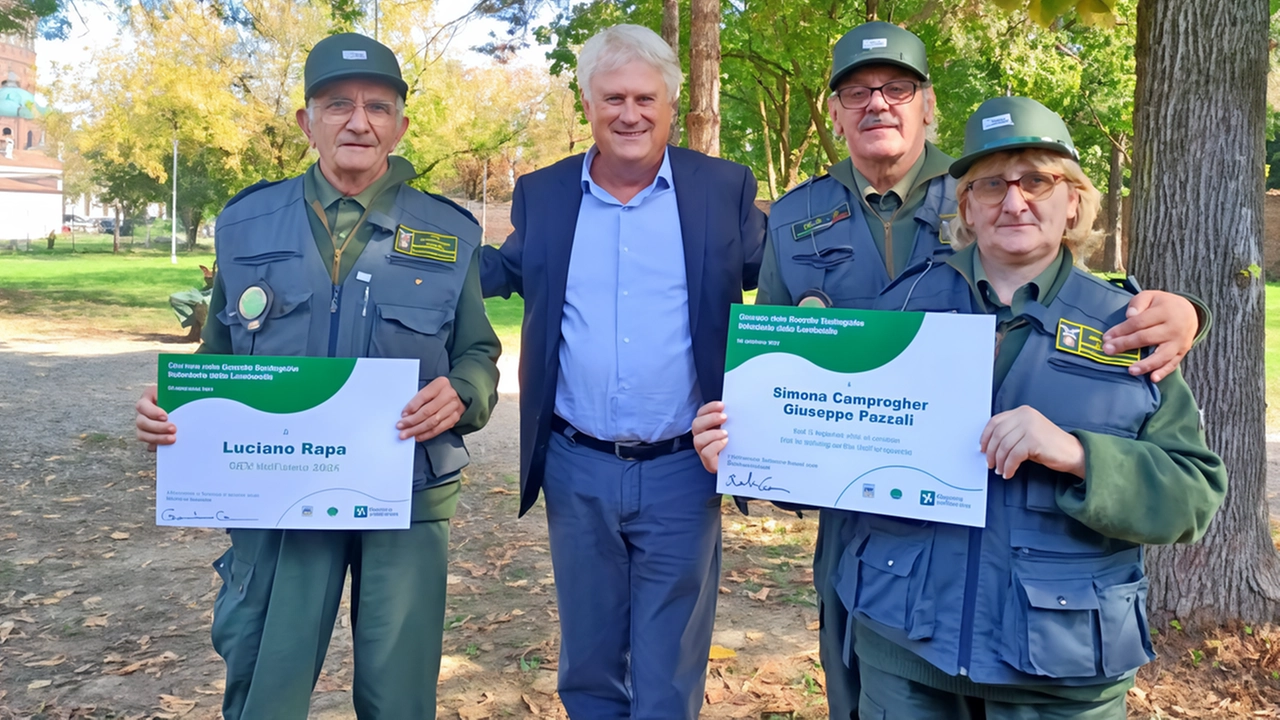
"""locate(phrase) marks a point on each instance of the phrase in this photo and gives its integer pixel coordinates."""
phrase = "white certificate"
(285, 442)
(878, 412)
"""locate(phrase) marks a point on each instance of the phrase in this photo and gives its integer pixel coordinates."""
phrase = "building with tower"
(30, 180)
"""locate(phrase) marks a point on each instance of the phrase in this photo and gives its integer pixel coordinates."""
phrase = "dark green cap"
(351, 55)
(1009, 123)
(878, 43)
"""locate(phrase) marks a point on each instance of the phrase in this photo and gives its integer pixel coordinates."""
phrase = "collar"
(931, 164)
(663, 181)
(318, 187)
(1043, 289)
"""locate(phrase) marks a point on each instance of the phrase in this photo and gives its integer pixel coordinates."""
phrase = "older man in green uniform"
(349, 261)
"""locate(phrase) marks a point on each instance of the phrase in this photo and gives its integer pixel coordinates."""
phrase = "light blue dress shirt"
(626, 354)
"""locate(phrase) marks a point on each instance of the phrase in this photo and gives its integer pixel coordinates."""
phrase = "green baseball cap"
(351, 55)
(1010, 123)
(878, 43)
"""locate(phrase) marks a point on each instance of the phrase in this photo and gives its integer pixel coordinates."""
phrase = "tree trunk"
(1197, 226)
(1112, 249)
(671, 33)
(770, 168)
(703, 121)
(115, 233)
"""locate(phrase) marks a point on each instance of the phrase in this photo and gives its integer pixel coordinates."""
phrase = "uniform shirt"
(342, 212)
(1012, 331)
(626, 354)
(891, 214)
(1120, 475)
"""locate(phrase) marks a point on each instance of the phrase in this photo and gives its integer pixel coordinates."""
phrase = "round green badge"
(333, 511)
(253, 302)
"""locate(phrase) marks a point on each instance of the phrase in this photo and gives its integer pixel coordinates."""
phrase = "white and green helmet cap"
(878, 43)
(1011, 123)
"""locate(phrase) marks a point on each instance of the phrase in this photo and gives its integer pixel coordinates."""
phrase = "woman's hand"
(1022, 434)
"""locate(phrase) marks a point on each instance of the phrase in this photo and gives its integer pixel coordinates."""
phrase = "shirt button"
(1062, 600)
(624, 292)
(626, 340)
(890, 563)
(626, 249)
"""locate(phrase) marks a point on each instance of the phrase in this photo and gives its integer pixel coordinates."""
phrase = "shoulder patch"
(465, 213)
(250, 190)
(1080, 339)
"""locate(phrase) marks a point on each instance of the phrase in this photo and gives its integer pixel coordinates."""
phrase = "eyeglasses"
(339, 112)
(856, 97)
(1034, 186)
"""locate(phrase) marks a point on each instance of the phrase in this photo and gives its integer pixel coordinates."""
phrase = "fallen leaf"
(754, 635)
(175, 704)
(51, 662)
(91, 603)
(84, 668)
(36, 685)
(764, 593)
(119, 536)
(517, 583)
(533, 707)
(719, 652)
(6, 628)
(452, 579)
(96, 620)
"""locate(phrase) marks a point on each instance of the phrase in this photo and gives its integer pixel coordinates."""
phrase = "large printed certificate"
(878, 412)
(285, 442)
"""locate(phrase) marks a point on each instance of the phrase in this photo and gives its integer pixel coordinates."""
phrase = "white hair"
(619, 45)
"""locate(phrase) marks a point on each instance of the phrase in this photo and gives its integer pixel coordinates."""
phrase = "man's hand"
(1022, 434)
(708, 437)
(435, 409)
(152, 422)
(1167, 321)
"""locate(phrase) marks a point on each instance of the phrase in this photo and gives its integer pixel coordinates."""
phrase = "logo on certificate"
(927, 497)
(307, 511)
(333, 512)
(868, 490)
(896, 494)
(362, 511)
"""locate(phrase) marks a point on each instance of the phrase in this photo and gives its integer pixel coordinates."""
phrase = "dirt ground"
(105, 615)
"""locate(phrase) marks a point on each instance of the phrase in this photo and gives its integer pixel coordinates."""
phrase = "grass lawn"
(129, 292)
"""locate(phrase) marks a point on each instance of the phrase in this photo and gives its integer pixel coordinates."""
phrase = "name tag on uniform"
(1086, 342)
(427, 245)
(805, 228)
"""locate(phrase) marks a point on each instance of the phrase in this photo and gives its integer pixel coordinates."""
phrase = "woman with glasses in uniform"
(1042, 612)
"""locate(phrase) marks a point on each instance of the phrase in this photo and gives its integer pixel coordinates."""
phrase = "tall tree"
(703, 120)
(671, 33)
(1200, 115)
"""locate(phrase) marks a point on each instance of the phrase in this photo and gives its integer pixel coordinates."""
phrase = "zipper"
(333, 320)
(970, 600)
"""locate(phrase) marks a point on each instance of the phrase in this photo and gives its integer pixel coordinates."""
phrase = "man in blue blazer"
(628, 258)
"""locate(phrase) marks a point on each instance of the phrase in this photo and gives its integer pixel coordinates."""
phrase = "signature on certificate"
(751, 482)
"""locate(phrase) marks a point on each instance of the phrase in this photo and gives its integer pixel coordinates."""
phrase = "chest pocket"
(404, 331)
(285, 326)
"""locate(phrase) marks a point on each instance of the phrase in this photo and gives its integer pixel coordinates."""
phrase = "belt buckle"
(619, 446)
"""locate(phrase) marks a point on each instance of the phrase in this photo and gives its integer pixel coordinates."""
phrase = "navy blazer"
(723, 243)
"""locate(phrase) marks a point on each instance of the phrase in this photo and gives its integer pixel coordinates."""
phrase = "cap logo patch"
(873, 43)
(992, 123)
(355, 55)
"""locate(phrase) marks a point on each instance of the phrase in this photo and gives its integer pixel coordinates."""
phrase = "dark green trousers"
(281, 590)
(885, 695)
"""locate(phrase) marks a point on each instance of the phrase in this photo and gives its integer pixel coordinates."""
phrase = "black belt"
(623, 450)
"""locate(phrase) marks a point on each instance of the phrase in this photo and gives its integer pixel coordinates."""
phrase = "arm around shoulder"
(502, 267)
(473, 354)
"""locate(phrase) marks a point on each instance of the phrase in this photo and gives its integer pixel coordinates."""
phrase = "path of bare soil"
(105, 615)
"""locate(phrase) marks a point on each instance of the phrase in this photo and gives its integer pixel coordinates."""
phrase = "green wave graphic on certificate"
(277, 442)
(869, 411)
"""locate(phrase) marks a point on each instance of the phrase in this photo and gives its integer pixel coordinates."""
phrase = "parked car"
(109, 226)
(76, 223)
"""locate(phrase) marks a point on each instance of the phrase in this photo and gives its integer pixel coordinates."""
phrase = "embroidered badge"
(1086, 342)
(427, 245)
(804, 229)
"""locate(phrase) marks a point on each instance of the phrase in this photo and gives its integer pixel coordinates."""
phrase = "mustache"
(878, 120)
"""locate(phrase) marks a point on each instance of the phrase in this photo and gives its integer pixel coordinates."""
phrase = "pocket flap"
(266, 257)
(890, 555)
(426, 321)
(1060, 594)
(289, 303)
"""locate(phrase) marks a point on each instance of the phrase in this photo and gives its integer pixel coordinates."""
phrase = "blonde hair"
(1080, 237)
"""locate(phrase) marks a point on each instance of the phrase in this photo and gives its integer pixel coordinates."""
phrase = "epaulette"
(807, 181)
(1128, 283)
(465, 212)
(250, 190)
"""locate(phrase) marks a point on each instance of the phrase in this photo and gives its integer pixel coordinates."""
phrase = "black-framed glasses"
(1034, 185)
(898, 92)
